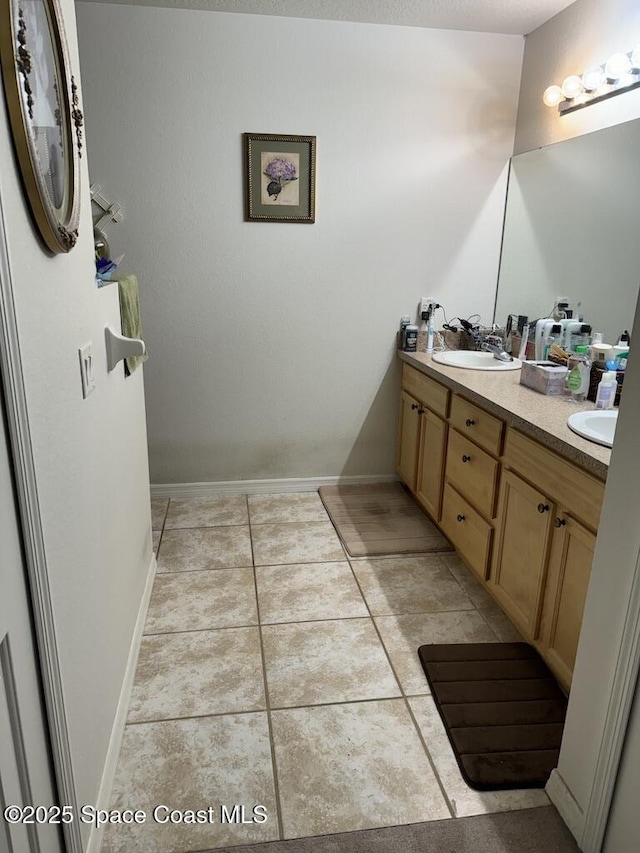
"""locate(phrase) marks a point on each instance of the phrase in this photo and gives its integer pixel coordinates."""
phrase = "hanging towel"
(130, 315)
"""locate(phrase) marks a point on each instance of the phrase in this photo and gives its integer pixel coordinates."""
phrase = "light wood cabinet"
(520, 557)
(523, 518)
(408, 434)
(430, 476)
(567, 581)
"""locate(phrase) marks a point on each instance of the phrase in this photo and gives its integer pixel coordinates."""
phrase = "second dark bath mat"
(502, 709)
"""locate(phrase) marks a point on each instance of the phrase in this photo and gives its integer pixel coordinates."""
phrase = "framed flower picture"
(280, 178)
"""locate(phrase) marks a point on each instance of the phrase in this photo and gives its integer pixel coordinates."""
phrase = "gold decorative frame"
(288, 193)
(37, 77)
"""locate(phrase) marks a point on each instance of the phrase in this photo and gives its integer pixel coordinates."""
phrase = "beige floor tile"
(464, 800)
(403, 635)
(166, 763)
(312, 663)
(349, 767)
(500, 623)
(207, 512)
(197, 601)
(199, 673)
(205, 548)
(158, 512)
(156, 535)
(308, 591)
(295, 542)
(397, 585)
(279, 508)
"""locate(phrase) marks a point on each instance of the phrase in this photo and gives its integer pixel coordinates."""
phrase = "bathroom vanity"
(513, 489)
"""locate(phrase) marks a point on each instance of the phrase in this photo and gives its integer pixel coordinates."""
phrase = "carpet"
(380, 519)
(538, 830)
(502, 709)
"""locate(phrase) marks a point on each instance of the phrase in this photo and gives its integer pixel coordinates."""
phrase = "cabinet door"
(519, 566)
(568, 578)
(433, 440)
(408, 434)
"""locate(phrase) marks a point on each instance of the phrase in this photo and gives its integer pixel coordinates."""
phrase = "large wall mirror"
(571, 229)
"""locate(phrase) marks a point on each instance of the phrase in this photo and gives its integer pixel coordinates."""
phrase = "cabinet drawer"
(483, 428)
(427, 391)
(467, 530)
(561, 480)
(473, 472)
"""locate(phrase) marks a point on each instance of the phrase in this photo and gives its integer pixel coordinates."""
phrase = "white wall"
(90, 460)
(584, 35)
(272, 345)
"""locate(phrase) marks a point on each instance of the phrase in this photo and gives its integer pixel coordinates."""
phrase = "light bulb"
(617, 66)
(593, 79)
(571, 86)
(552, 96)
(635, 57)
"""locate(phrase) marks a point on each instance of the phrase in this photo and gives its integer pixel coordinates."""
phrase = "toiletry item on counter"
(554, 337)
(606, 393)
(543, 329)
(404, 322)
(410, 338)
(523, 343)
(545, 377)
(578, 375)
(600, 352)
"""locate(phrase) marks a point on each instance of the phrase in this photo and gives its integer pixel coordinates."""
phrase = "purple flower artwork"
(280, 178)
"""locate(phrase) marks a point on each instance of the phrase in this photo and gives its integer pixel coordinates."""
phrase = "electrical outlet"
(86, 369)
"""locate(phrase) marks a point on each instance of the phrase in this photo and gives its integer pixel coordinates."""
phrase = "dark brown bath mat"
(502, 709)
(381, 518)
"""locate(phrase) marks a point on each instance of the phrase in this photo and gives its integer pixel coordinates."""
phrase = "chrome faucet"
(498, 351)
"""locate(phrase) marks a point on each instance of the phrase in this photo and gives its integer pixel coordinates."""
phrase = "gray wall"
(273, 344)
(90, 461)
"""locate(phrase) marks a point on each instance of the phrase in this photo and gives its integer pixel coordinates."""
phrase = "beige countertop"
(541, 417)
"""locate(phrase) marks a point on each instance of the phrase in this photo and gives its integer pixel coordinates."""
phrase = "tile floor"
(276, 671)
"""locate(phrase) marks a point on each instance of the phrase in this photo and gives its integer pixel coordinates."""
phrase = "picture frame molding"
(255, 211)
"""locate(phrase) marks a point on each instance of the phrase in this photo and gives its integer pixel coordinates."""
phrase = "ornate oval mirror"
(45, 119)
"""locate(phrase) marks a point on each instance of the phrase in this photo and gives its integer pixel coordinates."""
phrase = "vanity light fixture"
(620, 73)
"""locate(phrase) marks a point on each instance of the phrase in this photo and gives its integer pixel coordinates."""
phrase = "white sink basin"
(471, 360)
(599, 427)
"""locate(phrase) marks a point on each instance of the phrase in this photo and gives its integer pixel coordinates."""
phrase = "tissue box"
(545, 377)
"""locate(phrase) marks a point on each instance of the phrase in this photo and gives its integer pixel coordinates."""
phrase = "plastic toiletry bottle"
(431, 330)
(554, 337)
(606, 393)
(578, 377)
(410, 338)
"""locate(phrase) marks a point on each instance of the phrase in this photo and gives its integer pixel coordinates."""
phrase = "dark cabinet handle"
(466, 458)
(421, 411)
(560, 522)
(414, 405)
(460, 517)
(470, 422)
(543, 507)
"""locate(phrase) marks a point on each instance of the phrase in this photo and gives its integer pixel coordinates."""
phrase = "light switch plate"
(86, 369)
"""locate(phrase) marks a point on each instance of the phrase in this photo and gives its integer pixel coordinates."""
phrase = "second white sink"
(472, 360)
(598, 426)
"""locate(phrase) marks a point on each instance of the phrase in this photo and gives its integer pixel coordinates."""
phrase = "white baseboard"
(261, 487)
(117, 731)
(567, 807)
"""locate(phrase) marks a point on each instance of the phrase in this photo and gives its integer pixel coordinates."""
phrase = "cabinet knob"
(470, 422)
(421, 411)
(560, 522)
(466, 458)
(543, 507)
(414, 405)
(460, 517)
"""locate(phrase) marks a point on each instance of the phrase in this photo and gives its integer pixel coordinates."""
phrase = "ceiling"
(516, 17)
